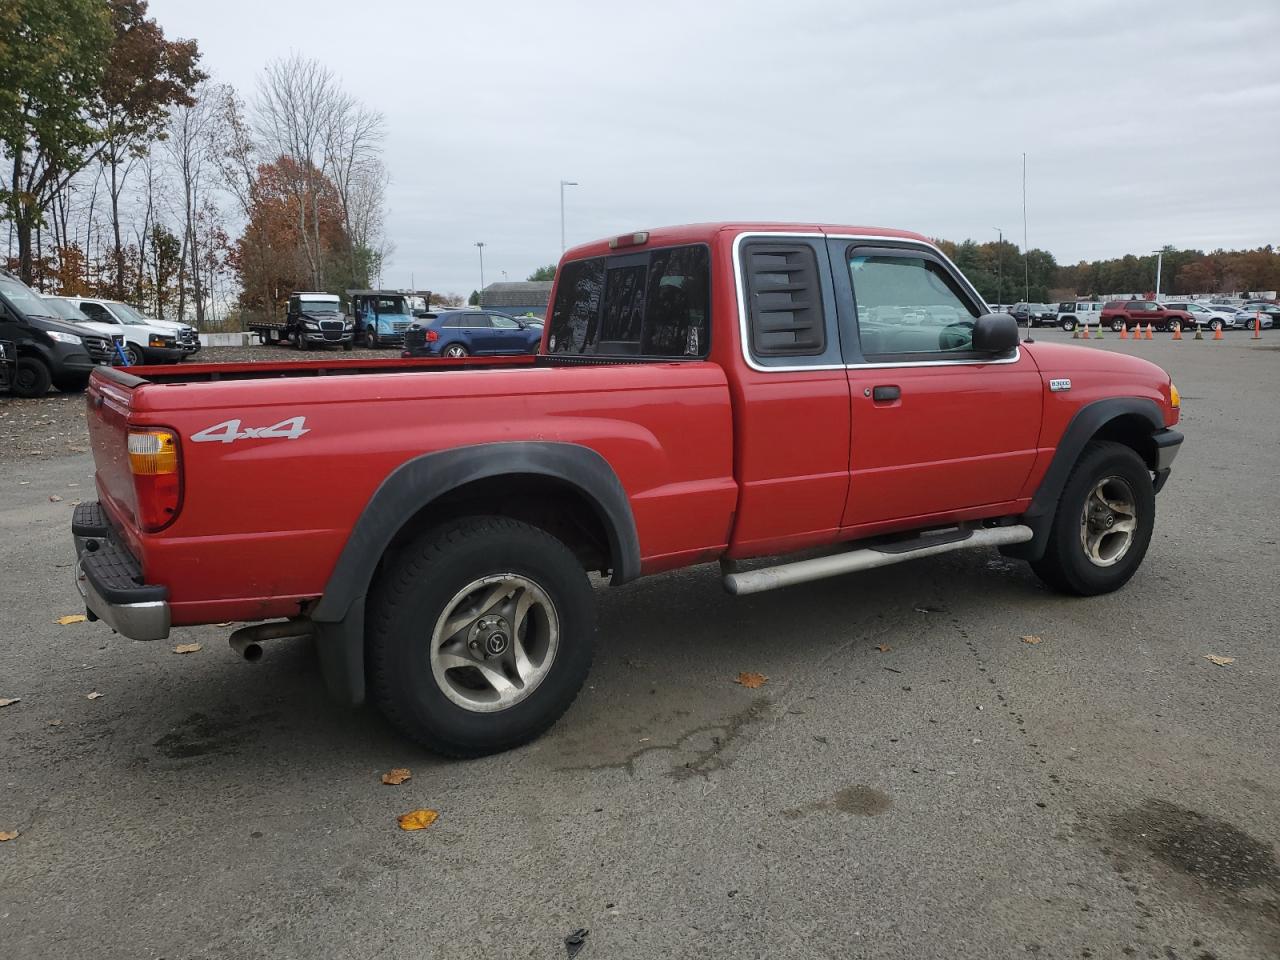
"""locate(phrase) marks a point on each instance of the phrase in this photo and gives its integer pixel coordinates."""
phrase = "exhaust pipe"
(247, 641)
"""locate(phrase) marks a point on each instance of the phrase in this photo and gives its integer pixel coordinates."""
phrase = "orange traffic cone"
(1257, 325)
(1085, 335)
(1124, 331)
(1217, 333)
(1177, 333)
(1149, 336)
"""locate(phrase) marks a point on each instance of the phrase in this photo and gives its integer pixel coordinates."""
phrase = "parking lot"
(946, 759)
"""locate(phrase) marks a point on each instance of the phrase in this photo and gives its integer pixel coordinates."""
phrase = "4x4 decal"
(230, 431)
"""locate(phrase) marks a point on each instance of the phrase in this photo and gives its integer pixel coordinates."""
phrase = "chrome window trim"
(740, 291)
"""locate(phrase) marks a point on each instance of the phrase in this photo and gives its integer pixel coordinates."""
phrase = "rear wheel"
(455, 350)
(31, 378)
(1215, 324)
(481, 637)
(1103, 523)
(1068, 324)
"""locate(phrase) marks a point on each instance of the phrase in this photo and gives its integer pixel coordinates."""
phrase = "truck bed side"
(263, 519)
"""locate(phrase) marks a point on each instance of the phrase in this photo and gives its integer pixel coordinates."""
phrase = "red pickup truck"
(834, 398)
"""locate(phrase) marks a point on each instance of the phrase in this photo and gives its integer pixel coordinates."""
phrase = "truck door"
(935, 428)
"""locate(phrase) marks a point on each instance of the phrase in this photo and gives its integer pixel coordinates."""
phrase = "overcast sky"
(1143, 123)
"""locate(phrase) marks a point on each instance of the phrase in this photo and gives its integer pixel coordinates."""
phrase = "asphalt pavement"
(915, 779)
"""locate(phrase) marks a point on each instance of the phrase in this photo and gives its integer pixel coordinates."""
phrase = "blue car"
(465, 333)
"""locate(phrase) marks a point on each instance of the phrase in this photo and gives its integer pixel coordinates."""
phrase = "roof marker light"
(639, 238)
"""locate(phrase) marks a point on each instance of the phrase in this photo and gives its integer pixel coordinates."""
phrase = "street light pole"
(563, 184)
(1159, 265)
(480, 244)
(1000, 261)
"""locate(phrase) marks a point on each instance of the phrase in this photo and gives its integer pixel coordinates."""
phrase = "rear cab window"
(653, 303)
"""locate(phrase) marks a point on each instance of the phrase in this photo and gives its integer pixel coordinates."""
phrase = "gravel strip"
(54, 426)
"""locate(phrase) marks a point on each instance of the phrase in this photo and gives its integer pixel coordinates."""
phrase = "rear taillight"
(433, 336)
(157, 476)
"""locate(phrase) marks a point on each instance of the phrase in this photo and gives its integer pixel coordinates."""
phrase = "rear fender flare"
(339, 614)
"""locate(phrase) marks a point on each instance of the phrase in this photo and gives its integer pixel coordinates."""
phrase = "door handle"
(886, 393)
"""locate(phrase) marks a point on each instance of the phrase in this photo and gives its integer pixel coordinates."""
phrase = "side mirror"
(995, 333)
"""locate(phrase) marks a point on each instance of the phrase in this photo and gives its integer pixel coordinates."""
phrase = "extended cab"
(832, 398)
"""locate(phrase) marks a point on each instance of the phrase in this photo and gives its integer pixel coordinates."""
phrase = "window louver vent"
(785, 299)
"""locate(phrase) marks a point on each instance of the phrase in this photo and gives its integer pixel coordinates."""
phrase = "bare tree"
(192, 133)
(353, 138)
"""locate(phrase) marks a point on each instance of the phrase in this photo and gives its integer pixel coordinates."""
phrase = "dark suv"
(1123, 313)
(49, 351)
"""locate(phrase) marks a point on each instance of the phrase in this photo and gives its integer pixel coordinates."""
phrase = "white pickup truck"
(147, 340)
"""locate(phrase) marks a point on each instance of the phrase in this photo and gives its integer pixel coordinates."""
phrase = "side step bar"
(866, 558)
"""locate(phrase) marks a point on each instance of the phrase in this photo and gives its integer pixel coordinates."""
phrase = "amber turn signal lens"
(152, 452)
(1175, 399)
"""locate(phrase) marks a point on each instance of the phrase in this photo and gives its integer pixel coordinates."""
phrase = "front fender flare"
(1084, 426)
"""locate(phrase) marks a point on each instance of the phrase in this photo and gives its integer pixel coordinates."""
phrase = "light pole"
(1000, 262)
(563, 184)
(1159, 265)
(480, 244)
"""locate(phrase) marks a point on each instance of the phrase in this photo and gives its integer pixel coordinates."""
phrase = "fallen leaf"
(1031, 639)
(93, 696)
(8, 835)
(752, 681)
(6, 701)
(225, 623)
(187, 648)
(882, 647)
(417, 819)
(1220, 661)
(55, 723)
(396, 776)
(54, 498)
(71, 618)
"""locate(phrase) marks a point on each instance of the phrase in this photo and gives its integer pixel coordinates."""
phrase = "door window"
(909, 307)
(503, 323)
(96, 311)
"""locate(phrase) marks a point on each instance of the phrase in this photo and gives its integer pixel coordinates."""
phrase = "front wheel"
(31, 378)
(1248, 324)
(371, 338)
(1175, 326)
(1117, 326)
(1103, 524)
(134, 353)
(481, 636)
(299, 341)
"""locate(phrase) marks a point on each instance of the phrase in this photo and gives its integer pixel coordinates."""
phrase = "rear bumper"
(109, 579)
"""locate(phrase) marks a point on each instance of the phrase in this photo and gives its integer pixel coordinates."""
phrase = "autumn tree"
(273, 257)
(146, 74)
(52, 59)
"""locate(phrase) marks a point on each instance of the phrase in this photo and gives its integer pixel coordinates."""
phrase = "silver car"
(1206, 315)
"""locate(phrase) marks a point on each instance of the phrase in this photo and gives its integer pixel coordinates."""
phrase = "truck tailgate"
(109, 401)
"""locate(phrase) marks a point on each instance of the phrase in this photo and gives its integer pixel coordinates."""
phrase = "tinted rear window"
(653, 303)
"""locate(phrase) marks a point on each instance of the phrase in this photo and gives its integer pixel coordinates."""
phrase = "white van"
(146, 340)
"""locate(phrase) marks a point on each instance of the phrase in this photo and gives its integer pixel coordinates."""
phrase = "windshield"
(318, 306)
(66, 311)
(127, 314)
(24, 299)
(388, 304)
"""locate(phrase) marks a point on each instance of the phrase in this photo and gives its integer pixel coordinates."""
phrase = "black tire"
(1065, 566)
(427, 575)
(135, 355)
(1068, 324)
(1215, 324)
(31, 378)
(1117, 325)
(299, 341)
(1248, 324)
(1175, 326)
(456, 351)
(371, 338)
